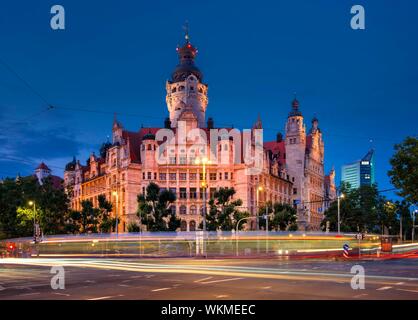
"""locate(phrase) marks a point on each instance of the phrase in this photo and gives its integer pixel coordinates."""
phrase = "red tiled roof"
(277, 148)
(43, 166)
(57, 182)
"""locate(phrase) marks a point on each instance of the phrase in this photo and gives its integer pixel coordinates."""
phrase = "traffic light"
(11, 246)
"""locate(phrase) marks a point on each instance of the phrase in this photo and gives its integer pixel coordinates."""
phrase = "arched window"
(174, 90)
(183, 225)
(183, 210)
(192, 225)
(181, 88)
(193, 210)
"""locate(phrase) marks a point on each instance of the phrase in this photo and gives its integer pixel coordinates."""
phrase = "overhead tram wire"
(51, 106)
(26, 83)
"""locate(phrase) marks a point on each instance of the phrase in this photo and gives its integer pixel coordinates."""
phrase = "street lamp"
(32, 203)
(204, 161)
(115, 194)
(339, 197)
(236, 233)
(259, 189)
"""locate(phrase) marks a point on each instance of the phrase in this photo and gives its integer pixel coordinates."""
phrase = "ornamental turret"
(186, 93)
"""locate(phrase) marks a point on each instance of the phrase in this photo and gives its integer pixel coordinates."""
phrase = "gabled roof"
(43, 166)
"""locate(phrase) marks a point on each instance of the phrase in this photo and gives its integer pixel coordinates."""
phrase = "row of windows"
(191, 193)
(193, 210)
(182, 176)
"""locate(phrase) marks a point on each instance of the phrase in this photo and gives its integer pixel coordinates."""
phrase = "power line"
(26, 83)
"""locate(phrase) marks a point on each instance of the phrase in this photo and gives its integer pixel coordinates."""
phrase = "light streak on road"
(211, 270)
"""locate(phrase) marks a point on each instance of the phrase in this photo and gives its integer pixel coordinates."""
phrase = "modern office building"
(359, 173)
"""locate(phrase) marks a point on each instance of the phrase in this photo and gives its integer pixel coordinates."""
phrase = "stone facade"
(289, 170)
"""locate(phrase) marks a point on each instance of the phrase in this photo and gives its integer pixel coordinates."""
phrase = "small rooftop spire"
(295, 107)
(186, 31)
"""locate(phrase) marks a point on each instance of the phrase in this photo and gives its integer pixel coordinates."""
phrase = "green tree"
(154, 209)
(403, 211)
(51, 206)
(404, 172)
(72, 222)
(361, 210)
(281, 216)
(105, 209)
(133, 227)
(89, 217)
(224, 213)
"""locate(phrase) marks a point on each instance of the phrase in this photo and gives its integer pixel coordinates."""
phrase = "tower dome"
(186, 66)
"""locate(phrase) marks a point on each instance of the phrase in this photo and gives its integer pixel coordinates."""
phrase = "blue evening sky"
(115, 56)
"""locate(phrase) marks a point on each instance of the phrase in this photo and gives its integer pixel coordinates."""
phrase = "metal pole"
(256, 209)
(204, 207)
(413, 226)
(338, 222)
(236, 233)
(117, 221)
(400, 227)
(267, 230)
(34, 222)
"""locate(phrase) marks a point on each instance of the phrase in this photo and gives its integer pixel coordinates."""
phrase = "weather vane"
(186, 30)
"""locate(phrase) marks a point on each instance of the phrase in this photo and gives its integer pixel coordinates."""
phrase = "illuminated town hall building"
(289, 170)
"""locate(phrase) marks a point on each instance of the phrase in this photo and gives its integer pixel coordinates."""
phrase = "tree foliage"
(223, 212)
(281, 217)
(404, 172)
(154, 209)
(15, 212)
(365, 210)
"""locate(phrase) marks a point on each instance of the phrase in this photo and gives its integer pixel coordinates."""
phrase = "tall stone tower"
(295, 143)
(186, 93)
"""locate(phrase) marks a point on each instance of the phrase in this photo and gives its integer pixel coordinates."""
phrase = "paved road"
(100, 279)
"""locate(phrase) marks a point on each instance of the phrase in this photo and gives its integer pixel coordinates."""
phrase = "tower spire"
(186, 31)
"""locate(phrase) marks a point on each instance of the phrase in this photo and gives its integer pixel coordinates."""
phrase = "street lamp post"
(204, 162)
(115, 194)
(267, 229)
(257, 225)
(236, 233)
(413, 224)
(339, 197)
(32, 203)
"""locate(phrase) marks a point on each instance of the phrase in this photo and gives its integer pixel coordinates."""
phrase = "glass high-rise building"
(359, 173)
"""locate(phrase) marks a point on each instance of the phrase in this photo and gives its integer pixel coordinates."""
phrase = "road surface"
(190, 279)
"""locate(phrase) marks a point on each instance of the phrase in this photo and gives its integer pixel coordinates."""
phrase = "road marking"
(161, 289)
(61, 294)
(29, 294)
(221, 296)
(361, 295)
(384, 288)
(223, 280)
(203, 279)
(265, 288)
(400, 283)
(414, 291)
(135, 277)
(124, 285)
(106, 297)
